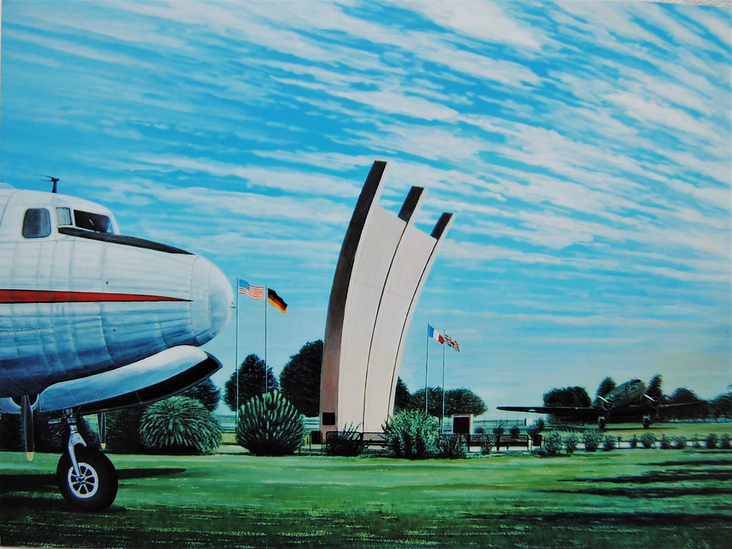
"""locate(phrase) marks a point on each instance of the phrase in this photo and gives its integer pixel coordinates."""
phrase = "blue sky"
(583, 146)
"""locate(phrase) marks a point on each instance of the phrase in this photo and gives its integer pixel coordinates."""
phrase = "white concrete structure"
(382, 268)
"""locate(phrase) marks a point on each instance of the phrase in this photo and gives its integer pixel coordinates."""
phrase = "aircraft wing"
(680, 405)
(562, 411)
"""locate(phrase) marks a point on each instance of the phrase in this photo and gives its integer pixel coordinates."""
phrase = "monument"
(383, 265)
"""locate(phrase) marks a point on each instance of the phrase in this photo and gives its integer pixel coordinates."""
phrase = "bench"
(508, 441)
(367, 439)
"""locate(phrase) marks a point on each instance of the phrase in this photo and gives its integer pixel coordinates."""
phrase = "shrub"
(664, 443)
(552, 443)
(634, 441)
(498, 430)
(711, 441)
(123, 430)
(451, 447)
(592, 439)
(610, 443)
(270, 426)
(648, 440)
(724, 442)
(412, 434)
(179, 425)
(487, 442)
(695, 443)
(679, 443)
(570, 443)
(514, 431)
(348, 442)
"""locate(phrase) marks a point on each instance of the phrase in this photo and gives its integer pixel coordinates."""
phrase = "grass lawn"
(624, 498)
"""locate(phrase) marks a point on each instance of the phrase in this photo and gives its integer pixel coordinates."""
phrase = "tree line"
(299, 383)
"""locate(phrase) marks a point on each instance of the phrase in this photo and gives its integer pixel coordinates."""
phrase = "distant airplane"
(91, 321)
(627, 402)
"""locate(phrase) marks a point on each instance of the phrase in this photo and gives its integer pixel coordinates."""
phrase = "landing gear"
(86, 477)
(601, 423)
(646, 422)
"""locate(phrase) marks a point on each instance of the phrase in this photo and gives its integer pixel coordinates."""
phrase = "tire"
(646, 422)
(601, 423)
(96, 489)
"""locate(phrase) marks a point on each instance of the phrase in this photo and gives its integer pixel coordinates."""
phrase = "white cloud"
(482, 20)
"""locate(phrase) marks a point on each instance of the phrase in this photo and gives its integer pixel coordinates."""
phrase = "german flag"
(276, 301)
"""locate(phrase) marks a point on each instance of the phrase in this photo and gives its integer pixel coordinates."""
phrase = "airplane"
(627, 402)
(92, 320)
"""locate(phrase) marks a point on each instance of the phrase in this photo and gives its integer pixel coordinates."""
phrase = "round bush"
(592, 439)
(648, 440)
(610, 443)
(179, 425)
(412, 434)
(724, 442)
(552, 443)
(570, 443)
(270, 426)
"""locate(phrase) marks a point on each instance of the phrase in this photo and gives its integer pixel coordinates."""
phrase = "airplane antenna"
(53, 180)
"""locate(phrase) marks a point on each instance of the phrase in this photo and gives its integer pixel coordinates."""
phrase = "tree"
(206, 393)
(462, 402)
(457, 402)
(566, 396)
(402, 397)
(654, 388)
(696, 407)
(721, 407)
(251, 381)
(300, 378)
(605, 388)
(434, 401)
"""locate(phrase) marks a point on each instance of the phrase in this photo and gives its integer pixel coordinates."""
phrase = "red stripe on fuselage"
(51, 296)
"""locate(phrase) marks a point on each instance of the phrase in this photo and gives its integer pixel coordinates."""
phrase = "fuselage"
(77, 298)
(625, 394)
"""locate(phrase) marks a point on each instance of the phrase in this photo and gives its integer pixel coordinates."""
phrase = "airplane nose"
(220, 300)
(213, 300)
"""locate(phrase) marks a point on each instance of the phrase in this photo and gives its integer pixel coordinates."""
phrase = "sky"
(584, 148)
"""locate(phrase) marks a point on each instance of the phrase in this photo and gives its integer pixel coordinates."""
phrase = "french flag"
(434, 335)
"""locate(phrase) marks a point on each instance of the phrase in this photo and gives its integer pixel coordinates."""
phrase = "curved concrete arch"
(381, 270)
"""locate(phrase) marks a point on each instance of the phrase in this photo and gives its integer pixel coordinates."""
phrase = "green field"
(624, 498)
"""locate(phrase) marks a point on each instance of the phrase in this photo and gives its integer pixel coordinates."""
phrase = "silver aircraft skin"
(92, 320)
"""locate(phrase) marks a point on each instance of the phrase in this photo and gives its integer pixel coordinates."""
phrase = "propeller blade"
(102, 422)
(26, 423)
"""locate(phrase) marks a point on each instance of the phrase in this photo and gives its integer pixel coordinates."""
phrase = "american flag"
(252, 292)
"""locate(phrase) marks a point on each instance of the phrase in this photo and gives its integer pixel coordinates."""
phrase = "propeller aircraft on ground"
(92, 320)
(625, 403)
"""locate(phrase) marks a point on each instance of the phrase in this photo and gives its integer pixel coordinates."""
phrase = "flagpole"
(426, 371)
(236, 351)
(266, 299)
(443, 385)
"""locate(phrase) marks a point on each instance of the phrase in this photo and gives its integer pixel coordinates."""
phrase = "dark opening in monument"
(462, 425)
(329, 418)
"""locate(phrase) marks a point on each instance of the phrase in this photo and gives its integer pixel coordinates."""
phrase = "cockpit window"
(92, 222)
(37, 223)
(63, 215)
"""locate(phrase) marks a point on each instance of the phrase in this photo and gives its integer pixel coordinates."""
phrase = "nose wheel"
(92, 485)
(86, 477)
